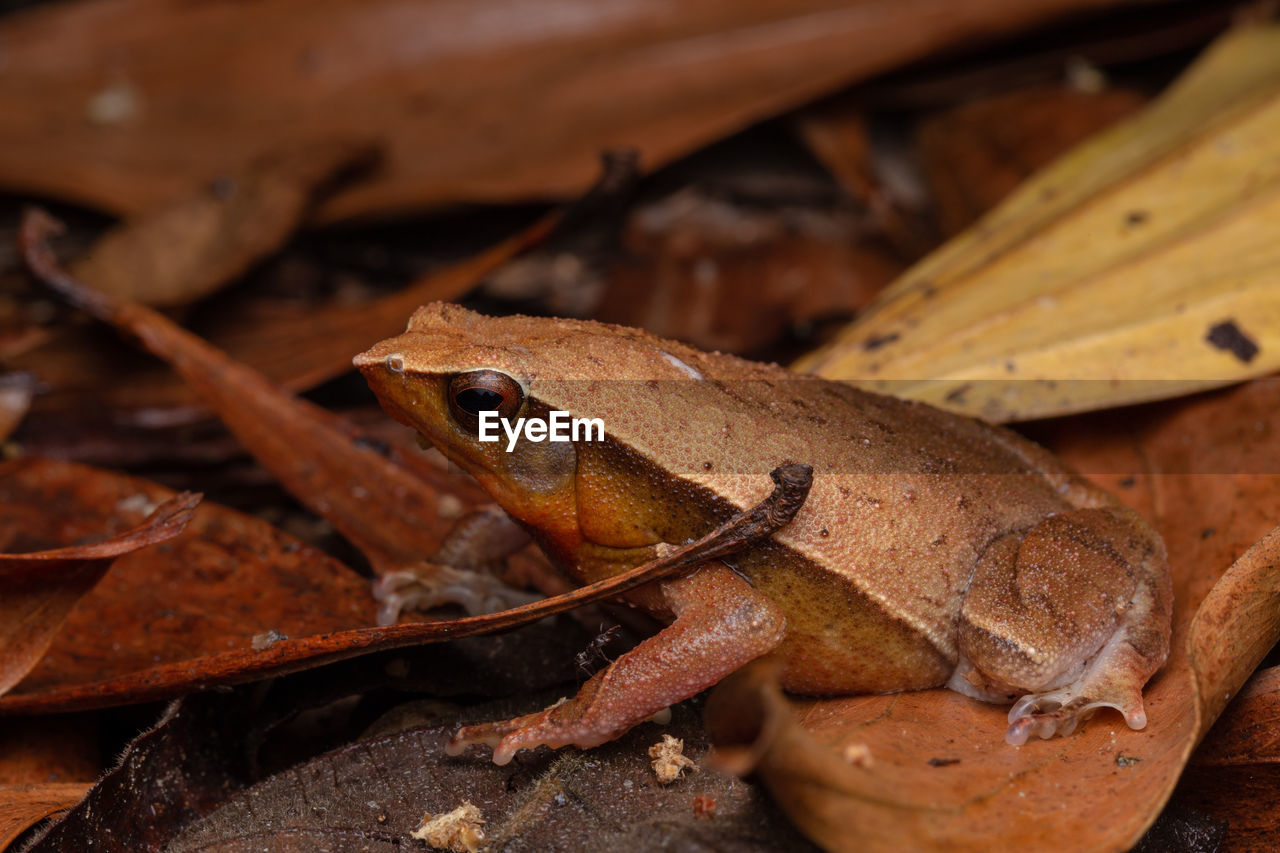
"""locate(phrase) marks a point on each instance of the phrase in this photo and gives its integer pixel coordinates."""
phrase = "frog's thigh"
(721, 623)
(1071, 615)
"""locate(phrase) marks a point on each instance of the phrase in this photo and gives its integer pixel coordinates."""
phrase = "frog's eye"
(483, 391)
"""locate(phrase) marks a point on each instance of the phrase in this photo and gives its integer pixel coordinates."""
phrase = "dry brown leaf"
(23, 806)
(731, 278)
(179, 253)
(110, 678)
(225, 579)
(1207, 471)
(38, 590)
(976, 154)
(485, 100)
(1141, 264)
(836, 132)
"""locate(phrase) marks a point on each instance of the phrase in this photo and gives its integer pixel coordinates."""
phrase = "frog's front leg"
(721, 622)
(1065, 618)
(461, 571)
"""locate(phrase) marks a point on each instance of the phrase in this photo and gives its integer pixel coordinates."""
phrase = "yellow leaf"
(1142, 265)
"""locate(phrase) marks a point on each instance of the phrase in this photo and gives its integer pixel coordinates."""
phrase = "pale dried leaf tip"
(450, 507)
(267, 639)
(669, 760)
(460, 831)
(858, 754)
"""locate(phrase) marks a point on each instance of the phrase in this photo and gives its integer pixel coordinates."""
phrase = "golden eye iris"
(483, 391)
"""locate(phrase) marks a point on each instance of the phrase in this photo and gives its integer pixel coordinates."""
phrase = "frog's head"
(450, 368)
(663, 406)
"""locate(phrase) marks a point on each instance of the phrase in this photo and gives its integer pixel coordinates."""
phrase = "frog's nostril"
(395, 363)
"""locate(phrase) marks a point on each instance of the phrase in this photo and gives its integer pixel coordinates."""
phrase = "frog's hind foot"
(1113, 679)
(1067, 617)
(1046, 715)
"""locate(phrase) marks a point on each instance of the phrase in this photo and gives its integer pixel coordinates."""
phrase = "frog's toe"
(1059, 712)
(507, 737)
(434, 585)
(484, 734)
(1042, 715)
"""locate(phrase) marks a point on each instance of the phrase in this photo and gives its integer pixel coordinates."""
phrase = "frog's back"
(905, 496)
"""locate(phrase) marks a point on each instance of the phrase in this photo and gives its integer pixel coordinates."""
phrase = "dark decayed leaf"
(203, 753)
(928, 770)
(1234, 777)
(377, 792)
(38, 590)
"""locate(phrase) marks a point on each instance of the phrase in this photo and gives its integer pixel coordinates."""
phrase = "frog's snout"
(372, 357)
(386, 355)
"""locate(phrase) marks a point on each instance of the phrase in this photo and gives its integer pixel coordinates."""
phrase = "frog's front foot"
(721, 622)
(433, 585)
(555, 727)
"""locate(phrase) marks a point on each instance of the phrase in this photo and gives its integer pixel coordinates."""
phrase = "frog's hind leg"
(1068, 617)
(721, 623)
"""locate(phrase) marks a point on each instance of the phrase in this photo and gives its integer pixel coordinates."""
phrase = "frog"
(933, 549)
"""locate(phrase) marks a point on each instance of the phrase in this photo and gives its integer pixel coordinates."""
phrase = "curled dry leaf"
(38, 590)
(1247, 733)
(227, 577)
(1149, 246)
(384, 502)
(1207, 472)
(179, 253)
(464, 109)
(296, 349)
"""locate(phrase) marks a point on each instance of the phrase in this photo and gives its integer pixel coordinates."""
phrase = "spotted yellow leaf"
(1143, 264)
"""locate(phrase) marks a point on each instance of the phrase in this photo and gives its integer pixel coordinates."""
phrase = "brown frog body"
(932, 549)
